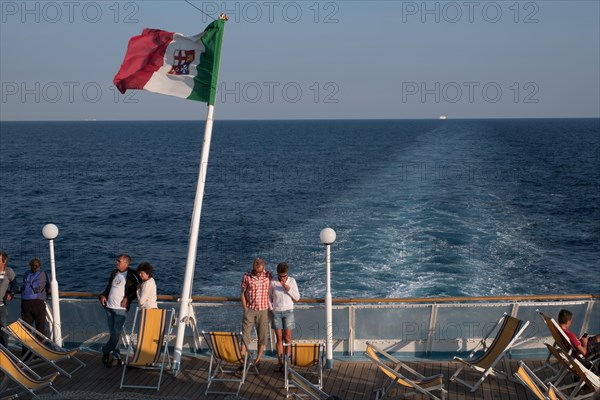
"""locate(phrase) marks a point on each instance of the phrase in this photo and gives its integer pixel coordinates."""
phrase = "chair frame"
(555, 394)
(532, 382)
(46, 350)
(24, 375)
(161, 353)
(394, 376)
(573, 365)
(318, 362)
(471, 361)
(216, 367)
(560, 340)
(309, 390)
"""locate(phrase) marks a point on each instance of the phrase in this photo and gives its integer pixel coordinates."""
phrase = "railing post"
(586, 318)
(431, 329)
(351, 327)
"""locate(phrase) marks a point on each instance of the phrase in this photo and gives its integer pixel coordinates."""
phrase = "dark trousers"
(34, 313)
(3, 320)
(116, 320)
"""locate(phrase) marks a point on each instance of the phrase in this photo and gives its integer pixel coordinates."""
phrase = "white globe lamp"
(327, 238)
(50, 232)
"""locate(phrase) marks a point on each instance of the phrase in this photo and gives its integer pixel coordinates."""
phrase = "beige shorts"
(258, 319)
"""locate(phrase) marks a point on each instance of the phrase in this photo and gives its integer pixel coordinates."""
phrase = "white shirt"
(281, 299)
(146, 294)
(117, 291)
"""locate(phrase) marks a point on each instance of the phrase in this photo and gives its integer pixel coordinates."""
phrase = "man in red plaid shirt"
(255, 300)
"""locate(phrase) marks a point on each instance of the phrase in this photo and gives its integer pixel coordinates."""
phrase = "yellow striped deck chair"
(555, 394)
(509, 330)
(535, 385)
(308, 356)
(41, 346)
(395, 378)
(27, 380)
(530, 380)
(560, 340)
(150, 336)
(558, 335)
(306, 388)
(227, 361)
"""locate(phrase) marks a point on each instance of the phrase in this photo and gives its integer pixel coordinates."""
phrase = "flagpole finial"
(224, 17)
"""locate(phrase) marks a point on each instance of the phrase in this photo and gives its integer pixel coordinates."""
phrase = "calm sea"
(421, 208)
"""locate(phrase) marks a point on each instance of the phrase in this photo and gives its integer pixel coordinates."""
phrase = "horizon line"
(296, 119)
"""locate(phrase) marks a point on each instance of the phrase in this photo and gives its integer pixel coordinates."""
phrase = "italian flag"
(174, 64)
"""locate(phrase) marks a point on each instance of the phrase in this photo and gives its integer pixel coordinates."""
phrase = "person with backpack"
(34, 292)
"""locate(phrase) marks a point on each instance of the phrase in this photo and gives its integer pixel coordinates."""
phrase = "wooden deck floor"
(348, 380)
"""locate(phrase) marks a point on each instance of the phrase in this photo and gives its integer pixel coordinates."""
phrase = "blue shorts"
(283, 319)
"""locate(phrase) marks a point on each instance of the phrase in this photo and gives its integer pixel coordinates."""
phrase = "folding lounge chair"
(15, 370)
(41, 346)
(555, 394)
(304, 355)
(227, 362)
(307, 388)
(584, 377)
(540, 391)
(509, 331)
(560, 340)
(420, 384)
(150, 336)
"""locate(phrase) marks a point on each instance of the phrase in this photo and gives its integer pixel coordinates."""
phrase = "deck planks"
(348, 380)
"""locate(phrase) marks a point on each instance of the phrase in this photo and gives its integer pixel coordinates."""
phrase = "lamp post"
(50, 232)
(327, 238)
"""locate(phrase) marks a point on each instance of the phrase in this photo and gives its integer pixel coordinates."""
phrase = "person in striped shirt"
(256, 304)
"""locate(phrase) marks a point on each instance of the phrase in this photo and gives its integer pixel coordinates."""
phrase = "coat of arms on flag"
(181, 62)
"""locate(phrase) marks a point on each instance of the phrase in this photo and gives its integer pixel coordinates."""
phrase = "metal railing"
(410, 326)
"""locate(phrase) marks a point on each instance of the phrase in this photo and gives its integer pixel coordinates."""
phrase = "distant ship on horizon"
(443, 117)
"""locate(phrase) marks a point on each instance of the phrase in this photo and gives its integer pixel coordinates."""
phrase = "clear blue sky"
(310, 60)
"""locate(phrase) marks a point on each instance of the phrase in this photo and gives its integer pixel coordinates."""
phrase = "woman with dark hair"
(146, 292)
(283, 293)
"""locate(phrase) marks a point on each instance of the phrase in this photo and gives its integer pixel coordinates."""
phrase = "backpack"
(32, 287)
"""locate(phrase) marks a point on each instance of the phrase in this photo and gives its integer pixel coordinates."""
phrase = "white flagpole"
(186, 294)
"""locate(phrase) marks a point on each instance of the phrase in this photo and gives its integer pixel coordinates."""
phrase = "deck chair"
(307, 388)
(150, 334)
(555, 394)
(509, 331)
(395, 378)
(41, 346)
(584, 377)
(560, 340)
(27, 380)
(303, 355)
(227, 362)
(531, 381)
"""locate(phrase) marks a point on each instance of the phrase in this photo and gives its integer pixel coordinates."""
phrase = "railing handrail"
(423, 325)
(357, 300)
